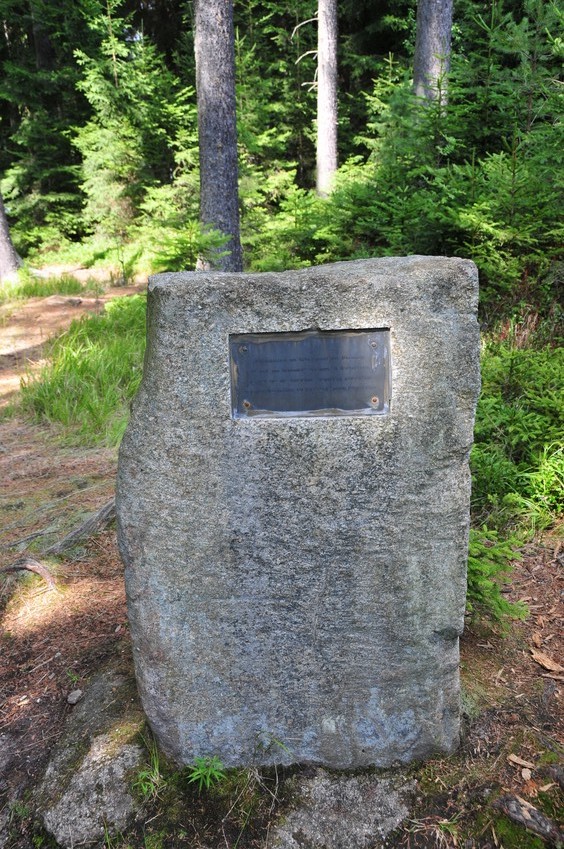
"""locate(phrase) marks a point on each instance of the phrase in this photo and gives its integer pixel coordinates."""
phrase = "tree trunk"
(215, 86)
(432, 49)
(44, 53)
(9, 260)
(326, 95)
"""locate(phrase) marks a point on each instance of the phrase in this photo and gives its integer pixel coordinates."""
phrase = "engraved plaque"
(311, 373)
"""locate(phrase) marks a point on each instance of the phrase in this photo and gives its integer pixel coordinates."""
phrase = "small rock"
(74, 697)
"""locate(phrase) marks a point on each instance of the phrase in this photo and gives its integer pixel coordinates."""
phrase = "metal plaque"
(311, 373)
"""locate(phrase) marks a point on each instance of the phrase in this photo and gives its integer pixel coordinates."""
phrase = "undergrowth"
(489, 568)
(92, 374)
(235, 805)
(29, 285)
(517, 461)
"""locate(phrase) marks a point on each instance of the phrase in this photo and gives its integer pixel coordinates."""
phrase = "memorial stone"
(293, 511)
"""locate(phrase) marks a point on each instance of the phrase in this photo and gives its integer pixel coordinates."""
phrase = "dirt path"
(50, 641)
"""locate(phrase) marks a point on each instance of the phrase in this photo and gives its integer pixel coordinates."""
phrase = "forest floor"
(52, 641)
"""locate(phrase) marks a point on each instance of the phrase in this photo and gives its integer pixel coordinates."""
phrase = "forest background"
(99, 166)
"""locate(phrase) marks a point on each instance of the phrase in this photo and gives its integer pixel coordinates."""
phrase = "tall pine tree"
(326, 95)
(431, 61)
(217, 125)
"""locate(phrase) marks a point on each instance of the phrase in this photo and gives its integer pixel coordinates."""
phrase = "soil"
(51, 641)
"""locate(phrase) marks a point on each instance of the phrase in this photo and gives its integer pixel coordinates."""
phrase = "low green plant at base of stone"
(150, 780)
(206, 772)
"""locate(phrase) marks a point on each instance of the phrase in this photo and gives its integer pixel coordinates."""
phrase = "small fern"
(489, 568)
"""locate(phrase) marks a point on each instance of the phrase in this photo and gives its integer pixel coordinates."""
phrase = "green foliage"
(206, 772)
(38, 96)
(289, 238)
(179, 250)
(482, 178)
(489, 568)
(517, 461)
(150, 780)
(92, 374)
(142, 124)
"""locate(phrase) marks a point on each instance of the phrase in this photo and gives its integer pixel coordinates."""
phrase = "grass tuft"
(30, 286)
(93, 372)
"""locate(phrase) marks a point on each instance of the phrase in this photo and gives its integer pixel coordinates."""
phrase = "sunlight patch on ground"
(34, 609)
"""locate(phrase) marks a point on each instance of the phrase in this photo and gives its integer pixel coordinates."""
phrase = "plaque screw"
(247, 404)
(243, 349)
(374, 399)
(373, 344)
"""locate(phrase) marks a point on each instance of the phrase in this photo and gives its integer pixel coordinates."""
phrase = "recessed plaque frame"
(310, 373)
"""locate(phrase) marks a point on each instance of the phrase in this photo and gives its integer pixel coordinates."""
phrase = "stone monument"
(293, 511)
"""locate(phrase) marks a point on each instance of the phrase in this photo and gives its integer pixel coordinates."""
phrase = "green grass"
(30, 286)
(93, 372)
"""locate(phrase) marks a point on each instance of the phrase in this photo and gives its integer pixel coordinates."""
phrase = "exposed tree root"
(525, 814)
(29, 564)
(99, 520)
(85, 530)
(28, 538)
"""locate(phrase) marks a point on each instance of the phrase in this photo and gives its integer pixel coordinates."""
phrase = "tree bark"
(215, 86)
(9, 260)
(431, 61)
(44, 53)
(326, 95)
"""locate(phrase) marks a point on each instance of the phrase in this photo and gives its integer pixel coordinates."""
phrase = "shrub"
(517, 457)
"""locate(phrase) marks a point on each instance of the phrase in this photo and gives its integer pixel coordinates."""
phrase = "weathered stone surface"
(7, 751)
(4, 822)
(343, 811)
(301, 581)
(86, 789)
(8, 744)
(98, 797)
